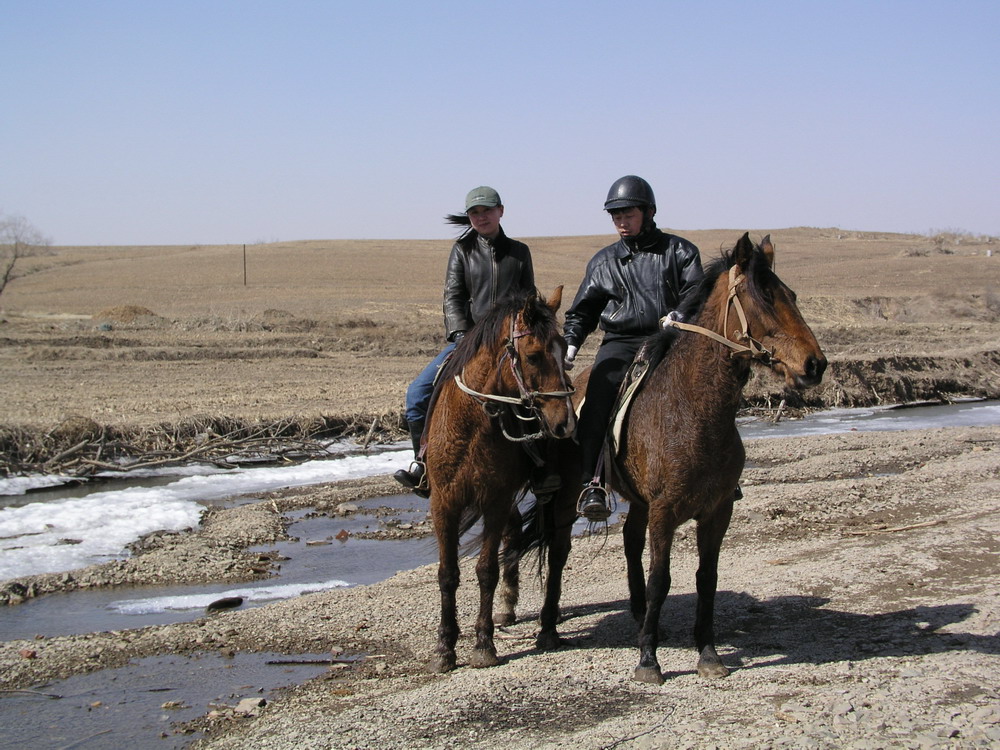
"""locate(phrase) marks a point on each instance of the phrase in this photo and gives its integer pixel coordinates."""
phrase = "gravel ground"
(859, 607)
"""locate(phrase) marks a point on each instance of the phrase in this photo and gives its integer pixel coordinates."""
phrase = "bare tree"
(18, 239)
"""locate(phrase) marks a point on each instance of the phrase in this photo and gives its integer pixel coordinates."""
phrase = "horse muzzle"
(812, 372)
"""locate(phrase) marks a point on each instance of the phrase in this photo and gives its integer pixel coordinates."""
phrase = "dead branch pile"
(79, 447)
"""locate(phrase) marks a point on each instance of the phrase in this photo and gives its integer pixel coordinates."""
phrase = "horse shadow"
(785, 630)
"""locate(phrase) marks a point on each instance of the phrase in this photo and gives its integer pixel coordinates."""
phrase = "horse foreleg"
(448, 576)
(710, 534)
(657, 588)
(484, 653)
(511, 562)
(560, 512)
(634, 533)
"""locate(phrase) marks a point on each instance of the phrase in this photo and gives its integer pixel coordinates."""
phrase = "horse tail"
(537, 527)
(470, 516)
(468, 519)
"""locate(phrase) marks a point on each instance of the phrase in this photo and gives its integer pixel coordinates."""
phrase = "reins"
(753, 348)
(494, 404)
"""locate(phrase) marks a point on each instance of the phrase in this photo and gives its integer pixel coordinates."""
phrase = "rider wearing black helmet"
(627, 288)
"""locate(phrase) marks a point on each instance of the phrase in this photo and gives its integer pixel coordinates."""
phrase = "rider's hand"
(570, 356)
(671, 316)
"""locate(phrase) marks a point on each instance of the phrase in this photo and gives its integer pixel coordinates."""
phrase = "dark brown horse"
(504, 387)
(681, 456)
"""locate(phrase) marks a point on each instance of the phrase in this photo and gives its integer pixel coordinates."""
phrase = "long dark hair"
(468, 236)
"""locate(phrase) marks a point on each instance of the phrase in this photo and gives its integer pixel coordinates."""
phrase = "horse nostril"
(815, 367)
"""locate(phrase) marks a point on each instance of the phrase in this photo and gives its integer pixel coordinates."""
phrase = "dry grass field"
(146, 336)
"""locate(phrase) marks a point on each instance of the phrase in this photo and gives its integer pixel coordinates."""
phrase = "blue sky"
(227, 122)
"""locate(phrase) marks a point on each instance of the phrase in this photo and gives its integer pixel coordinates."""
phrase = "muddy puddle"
(145, 704)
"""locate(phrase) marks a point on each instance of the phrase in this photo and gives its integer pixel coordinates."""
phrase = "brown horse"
(504, 387)
(681, 456)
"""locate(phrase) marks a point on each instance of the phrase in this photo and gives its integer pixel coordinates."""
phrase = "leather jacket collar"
(649, 240)
(499, 244)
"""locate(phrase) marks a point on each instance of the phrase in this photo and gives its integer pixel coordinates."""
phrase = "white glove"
(570, 356)
(671, 316)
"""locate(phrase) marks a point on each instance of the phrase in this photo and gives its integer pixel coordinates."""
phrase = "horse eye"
(535, 359)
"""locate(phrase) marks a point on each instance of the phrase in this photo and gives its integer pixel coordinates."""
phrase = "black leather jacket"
(480, 272)
(631, 284)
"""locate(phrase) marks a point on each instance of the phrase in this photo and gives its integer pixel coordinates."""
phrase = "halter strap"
(753, 348)
(527, 398)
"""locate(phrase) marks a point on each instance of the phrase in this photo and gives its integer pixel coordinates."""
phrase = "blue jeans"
(418, 394)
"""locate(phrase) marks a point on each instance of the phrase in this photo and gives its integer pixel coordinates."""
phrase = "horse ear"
(555, 299)
(767, 248)
(743, 250)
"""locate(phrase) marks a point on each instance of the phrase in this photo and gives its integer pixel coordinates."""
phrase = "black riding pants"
(610, 365)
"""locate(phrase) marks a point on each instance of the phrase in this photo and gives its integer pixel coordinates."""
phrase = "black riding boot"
(414, 477)
(593, 503)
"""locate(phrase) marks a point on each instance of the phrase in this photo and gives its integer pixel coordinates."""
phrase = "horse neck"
(485, 373)
(699, 371)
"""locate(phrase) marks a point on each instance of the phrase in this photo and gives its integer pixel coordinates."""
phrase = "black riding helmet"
(630, 191)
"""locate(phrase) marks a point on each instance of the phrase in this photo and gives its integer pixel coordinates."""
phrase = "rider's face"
(628, 221)
(486, 219)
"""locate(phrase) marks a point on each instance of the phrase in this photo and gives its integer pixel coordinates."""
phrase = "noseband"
(751, 347)
(525, 407)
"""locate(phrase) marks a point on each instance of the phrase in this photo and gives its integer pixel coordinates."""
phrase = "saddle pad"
(630, 385)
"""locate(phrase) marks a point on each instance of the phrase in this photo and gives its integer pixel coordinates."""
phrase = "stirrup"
(593, 503)
(415, 477)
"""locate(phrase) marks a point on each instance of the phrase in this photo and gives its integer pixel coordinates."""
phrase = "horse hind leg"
(510, 587)
(710, 534)
(634, 533)
(559, 515)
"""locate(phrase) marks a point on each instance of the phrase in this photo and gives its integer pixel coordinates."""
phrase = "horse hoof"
(548, 641)
(504, 619)
(483, 658)
(710, 667)
(651, 675)
(441, 664)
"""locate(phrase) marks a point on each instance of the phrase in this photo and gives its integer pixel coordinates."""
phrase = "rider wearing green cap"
(485, 265)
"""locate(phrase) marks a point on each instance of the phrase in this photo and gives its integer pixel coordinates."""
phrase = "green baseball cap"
(482, 196)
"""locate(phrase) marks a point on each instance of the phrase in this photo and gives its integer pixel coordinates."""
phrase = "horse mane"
(494, 328)
(758, 274)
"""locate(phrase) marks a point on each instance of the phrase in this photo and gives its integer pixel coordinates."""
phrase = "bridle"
(745, 344)
(524, 407)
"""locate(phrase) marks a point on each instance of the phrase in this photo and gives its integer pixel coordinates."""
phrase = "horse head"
(537, 351)
(762, 315)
